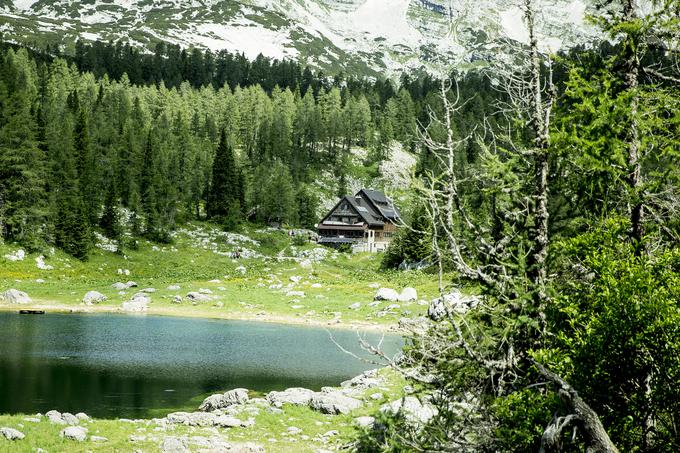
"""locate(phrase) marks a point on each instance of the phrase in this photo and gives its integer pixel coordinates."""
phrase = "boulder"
(192, 418)
(222, 400)
(77, 433)
(19, 255)
(295, 294)
(70, 419)
(149, 290)
(55, 417)
(93, 297)
(131, 284)
(198, 297)
(174, 288)
(364, 422)
(387, 294)
(415, 412)
(296, 396)
(366, 380)
(333, 403)
(82, 416)
(174, 445)
(14, 296)
(204, 291)
(136, 304)
(355, 306)
(454, 302)
(118, 286)
(408, 294)
(227, 421)
(11, 433)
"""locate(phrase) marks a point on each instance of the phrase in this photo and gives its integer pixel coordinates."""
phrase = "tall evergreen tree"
(225, 190)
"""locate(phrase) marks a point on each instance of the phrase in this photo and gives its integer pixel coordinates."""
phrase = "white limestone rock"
(387, 294)
(94, 297)
(408, 294)
(11, 433)
(77, 433)
(14, 296)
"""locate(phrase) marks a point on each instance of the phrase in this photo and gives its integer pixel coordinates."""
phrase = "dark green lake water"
(127, 366)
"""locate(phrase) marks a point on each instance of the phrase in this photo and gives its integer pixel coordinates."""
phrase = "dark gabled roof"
(380, 203)
(364, 210)
(372, 206)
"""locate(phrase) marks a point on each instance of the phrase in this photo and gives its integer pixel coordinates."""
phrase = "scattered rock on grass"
(77, 433)
(412, 409)
(11, 433)
(93, 297)
(408, 295)
(386, 294)
(222, 400)
(333, 403)
(174, 445)
(14, 296)
(296, 396)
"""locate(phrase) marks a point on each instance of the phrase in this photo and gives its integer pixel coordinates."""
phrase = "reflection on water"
(122, 366)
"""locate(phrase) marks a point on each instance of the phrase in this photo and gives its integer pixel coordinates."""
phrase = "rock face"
(454, 302)
(222, 400)
(14, 296)
(387, 294)
(408, 295)
(333, 403)
(411, 408)
(77, 433)
(296, 396)
(11, 434)
(94, 297)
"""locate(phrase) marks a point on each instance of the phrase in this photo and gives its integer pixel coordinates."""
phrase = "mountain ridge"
(371, 37)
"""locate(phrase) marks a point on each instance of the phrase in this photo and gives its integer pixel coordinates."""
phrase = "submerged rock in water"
(222, 400)
(14, 296)
(77, 433)
(11, 433)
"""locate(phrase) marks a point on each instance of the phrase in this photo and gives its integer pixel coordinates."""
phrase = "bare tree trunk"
(583, 416)
(630, 76)
(539, 122)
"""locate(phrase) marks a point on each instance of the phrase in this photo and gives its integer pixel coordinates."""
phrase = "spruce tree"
(22, 181)
(225, 188)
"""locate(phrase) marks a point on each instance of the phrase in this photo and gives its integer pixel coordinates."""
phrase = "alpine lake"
(111, 366)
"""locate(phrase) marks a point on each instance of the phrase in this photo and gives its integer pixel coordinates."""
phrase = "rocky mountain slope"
(365, 36)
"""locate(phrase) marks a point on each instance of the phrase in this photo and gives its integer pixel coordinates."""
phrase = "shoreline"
(183, 313)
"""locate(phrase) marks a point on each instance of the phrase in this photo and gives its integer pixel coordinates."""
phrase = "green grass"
(330, 286)
(269, 429)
